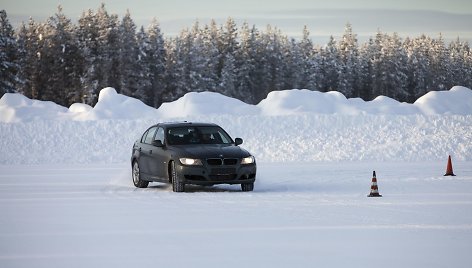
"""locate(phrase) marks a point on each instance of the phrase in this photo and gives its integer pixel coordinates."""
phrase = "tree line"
(66, 62)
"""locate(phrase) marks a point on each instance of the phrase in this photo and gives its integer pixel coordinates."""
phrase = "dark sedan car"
(191, 153)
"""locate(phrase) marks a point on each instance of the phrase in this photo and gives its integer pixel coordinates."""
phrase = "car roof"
(186, 124)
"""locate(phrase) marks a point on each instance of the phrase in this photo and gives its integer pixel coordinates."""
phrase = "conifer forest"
(67, 62)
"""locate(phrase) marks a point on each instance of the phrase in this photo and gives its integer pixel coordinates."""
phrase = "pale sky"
(412, 18)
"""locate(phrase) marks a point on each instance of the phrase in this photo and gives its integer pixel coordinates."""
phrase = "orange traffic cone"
(449, 171)
(374, 190)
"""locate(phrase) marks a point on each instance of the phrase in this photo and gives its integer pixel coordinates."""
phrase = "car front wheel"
(177, 184)
(137, 177)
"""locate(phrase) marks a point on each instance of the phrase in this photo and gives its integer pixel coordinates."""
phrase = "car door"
(145, 158)
(159, 157)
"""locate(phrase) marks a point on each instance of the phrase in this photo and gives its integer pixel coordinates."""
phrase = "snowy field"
(300, 215)
(67, 198)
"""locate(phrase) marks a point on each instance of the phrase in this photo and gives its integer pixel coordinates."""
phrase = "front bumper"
(218, 174)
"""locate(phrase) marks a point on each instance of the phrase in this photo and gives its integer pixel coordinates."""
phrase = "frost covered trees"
(65, 62)
(98, 37)
(348, 66)
(8, 55)
(389, 61)
(128, 53)
(151, 65)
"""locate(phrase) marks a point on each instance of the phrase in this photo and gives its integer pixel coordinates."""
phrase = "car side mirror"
(157, 143)
(238, 141)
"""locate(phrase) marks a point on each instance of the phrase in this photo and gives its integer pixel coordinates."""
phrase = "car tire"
(136, 173)
(247, 187)
(177, 184)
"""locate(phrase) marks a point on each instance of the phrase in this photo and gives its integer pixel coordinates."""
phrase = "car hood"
(211, 151)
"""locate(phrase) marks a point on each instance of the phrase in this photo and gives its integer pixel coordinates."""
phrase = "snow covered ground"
(300, 215)
(67, 200)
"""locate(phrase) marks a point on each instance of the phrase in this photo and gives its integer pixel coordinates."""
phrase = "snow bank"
(80, 108)
(386, 105)
(203, 103)
(290, 125)
(111, 105)
(290, 138)
(458, 100)
(289, 102)
(17, 108)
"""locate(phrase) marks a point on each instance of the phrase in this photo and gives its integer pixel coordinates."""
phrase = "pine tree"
(193, 58)
(378, 65)
(458, 63)
(294, 74)
(156, 56)
(109, 49)
(245, 82)
(87, 34)
(400, 60)
(366, 55)
(174, 68)
(394, 60)
(200, 68)
(307, 62)
(27, 60)
(46, 62)
(468, 69)
(347, 72)
(178, 66)
(419, 75)
(271, 60)
(317, 76)
(128, 57)
(63, 85)
(288, 63)
(227, 43)
(410, 72)
(33, 59)
(143, 69)
(98, 36)
(229, 38)
(211, 58)
(439, 65)
(228, 77)
(329, 66)
(8, 56)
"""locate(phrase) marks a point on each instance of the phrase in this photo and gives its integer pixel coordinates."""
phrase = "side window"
(150, 135)
(160, 135)
(144, 136)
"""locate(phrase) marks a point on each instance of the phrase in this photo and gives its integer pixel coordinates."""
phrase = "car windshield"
(197, 135)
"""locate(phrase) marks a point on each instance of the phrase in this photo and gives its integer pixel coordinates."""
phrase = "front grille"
(218, 174)
(219, 161)
(230, 161)
(214, 161)
(223, 177)
(222, 171)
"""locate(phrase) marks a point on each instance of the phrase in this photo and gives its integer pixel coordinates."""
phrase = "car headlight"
(190, 162)
(248, 160)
